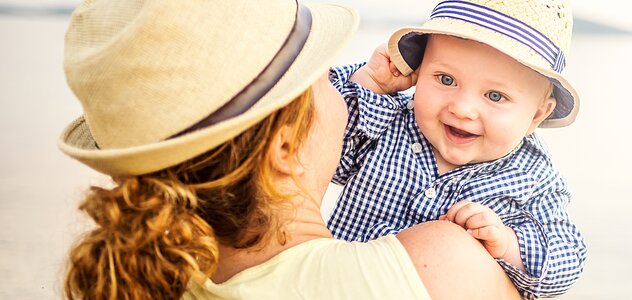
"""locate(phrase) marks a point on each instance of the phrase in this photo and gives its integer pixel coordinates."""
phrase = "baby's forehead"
(486, 62)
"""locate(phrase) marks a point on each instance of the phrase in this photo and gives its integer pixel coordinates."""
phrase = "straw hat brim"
(332, 27)
(564, 91)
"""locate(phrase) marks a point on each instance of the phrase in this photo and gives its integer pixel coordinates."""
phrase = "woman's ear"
(279, 154)
(545, 109)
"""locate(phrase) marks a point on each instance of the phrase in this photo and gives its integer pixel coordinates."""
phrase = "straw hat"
(162, 81)
(536, 33)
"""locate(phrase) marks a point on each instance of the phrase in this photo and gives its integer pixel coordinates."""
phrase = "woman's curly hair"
(155, 231)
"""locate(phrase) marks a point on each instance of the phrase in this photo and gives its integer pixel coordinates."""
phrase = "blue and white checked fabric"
(391, 183)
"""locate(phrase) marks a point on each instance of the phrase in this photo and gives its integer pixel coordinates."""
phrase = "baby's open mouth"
(460, 133)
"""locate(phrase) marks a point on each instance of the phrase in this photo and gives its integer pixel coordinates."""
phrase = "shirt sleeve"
(370, 115)
(551, 246)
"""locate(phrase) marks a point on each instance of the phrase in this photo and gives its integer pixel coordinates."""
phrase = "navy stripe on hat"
(503, 24)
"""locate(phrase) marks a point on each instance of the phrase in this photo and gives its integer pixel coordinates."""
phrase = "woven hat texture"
(146, 70)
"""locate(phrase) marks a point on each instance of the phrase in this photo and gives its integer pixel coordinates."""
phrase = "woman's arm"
(454, 265)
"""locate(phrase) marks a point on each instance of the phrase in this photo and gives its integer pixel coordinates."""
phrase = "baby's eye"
(494, 96)
(446, 79)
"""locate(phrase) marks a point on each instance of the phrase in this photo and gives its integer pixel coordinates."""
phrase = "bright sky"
(611, 12)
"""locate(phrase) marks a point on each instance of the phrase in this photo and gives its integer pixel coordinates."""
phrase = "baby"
(463, 148)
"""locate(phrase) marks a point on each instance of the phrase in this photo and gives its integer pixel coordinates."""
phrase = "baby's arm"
(550, 252)
(381, 76)
(484, 224)
(372, 86)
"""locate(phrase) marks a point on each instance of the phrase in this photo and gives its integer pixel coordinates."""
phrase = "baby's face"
(474, 103)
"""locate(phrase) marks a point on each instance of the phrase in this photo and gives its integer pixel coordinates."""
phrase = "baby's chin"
(453, 158)
(463, 159)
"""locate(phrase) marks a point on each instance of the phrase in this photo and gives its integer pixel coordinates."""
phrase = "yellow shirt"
(324, 269)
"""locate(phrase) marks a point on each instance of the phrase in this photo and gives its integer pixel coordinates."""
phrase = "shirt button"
(416, 147)
(410, 104)
(431, 193)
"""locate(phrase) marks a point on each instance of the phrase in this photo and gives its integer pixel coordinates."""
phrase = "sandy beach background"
(40, 188)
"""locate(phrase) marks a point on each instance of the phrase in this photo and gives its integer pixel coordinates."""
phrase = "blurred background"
(40, 188)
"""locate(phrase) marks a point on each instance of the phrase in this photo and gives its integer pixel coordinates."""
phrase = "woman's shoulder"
(325, 268)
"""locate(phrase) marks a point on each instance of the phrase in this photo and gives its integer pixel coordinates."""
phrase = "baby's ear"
(545, 109)
(279, 155)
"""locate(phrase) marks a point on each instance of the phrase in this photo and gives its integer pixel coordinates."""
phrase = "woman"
(221, 131)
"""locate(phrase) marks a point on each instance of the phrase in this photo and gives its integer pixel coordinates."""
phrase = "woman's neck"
(304, 225)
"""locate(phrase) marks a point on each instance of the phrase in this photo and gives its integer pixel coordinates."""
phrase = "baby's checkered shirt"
(391, 183)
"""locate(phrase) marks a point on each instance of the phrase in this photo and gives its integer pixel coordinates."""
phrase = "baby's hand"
(482, 223)
(381, 76)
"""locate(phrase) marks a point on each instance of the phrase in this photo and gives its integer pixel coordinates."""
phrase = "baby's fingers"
(481, 217)
(493, 238)
(393, 69)
(466, 211)
(450, 215)
(487, 233)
